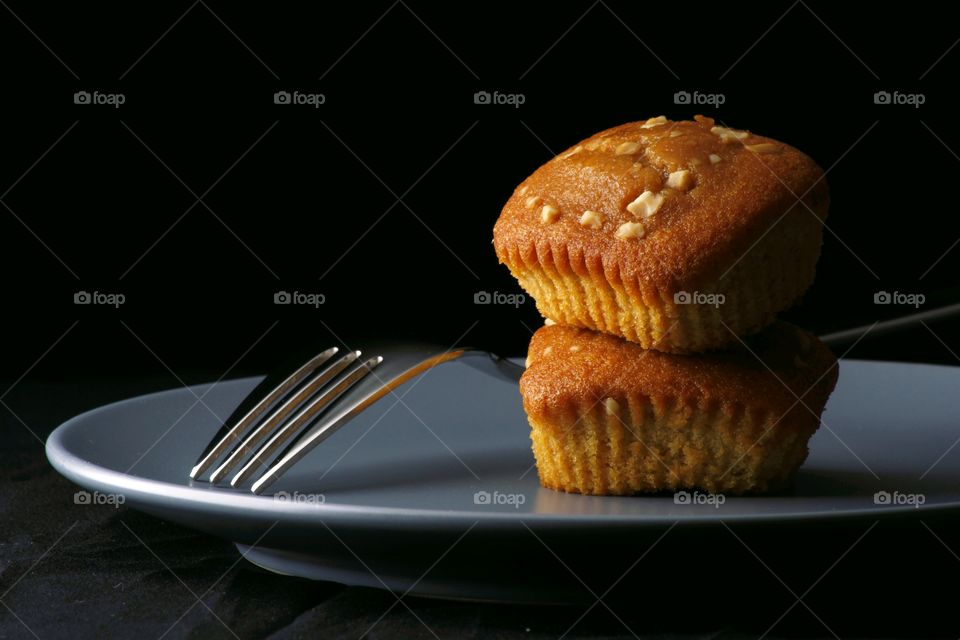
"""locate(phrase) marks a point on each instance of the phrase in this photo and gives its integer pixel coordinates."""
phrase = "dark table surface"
(69, 570)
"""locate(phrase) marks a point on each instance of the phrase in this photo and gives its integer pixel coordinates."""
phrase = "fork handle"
(888, 326)
(492, 364)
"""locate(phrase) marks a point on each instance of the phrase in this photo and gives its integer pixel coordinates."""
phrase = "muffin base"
(653, 445)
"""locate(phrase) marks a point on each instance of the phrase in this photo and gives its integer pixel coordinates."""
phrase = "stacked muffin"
(660, 253)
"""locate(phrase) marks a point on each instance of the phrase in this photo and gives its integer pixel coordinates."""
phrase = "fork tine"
(228, 435)
(302, 418)
(342, 413)
(288, 406)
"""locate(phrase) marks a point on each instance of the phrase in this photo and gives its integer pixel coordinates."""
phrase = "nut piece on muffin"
(623, 231)
(611, 418)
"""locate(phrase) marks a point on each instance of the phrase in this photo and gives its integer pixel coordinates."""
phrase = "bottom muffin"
(611, 418)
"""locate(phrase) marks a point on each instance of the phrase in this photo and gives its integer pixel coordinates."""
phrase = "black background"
(383, 199)
(311, 206)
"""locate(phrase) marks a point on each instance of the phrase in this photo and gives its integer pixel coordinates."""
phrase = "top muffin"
(679, 236)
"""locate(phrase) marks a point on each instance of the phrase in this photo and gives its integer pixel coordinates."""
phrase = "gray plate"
(379, 502)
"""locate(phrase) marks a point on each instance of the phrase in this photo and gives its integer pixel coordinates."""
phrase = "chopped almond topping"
(763, 147)
(549, 214)
(532, 201)
(591, 219)
(714, 158)
(627, 148)
(728, 135)
(681, 180)
(653, 122)
(646, 204)
(630, 231)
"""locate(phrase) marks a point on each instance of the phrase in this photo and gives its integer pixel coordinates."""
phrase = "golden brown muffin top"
(663, 201)
(767, 371)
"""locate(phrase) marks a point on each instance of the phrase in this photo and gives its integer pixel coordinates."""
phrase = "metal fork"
(300, 410)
